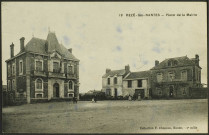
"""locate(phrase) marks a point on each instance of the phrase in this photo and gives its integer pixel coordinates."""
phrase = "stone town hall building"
(43, 69)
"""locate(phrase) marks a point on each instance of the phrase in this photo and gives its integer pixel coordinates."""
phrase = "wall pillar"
(28, 88)
(28, 78)
(49, 90)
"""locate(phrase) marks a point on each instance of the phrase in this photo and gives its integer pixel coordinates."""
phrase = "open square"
(146, 116)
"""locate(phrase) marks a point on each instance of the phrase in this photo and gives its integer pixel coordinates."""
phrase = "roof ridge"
(39, 38)
(175, 57)
(117, 70)
(141, 71)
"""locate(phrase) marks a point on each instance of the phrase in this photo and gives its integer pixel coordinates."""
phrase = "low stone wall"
(199, 93)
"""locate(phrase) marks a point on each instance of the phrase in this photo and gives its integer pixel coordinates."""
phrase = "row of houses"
(171, 78)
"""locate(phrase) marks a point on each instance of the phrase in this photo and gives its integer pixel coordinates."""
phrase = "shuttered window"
(184, 75)
(38, 84)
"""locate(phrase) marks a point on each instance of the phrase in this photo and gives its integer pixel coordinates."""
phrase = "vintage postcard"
(104, 67)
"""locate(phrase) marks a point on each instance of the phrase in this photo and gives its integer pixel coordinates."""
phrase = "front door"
(56, 90)
(171, 91)
(139, 91)
(116, 93)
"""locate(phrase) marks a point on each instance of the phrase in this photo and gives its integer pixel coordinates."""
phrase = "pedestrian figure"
(74, 100)
(92, 100)
(95, 98)
(129, 97)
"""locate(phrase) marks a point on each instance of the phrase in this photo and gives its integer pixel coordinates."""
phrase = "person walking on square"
(129, 97)
(95, 98)
(73, 100)
(92, 100)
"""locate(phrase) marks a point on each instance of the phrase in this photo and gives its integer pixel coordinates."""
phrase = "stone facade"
(137, 83)
(174, 77)
(43, 69)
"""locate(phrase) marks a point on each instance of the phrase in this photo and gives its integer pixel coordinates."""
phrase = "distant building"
(43, 69)
(112, 81)
(137, 83)
(174, 77)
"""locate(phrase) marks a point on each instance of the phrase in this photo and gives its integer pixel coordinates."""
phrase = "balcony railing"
(38, 73)
(173, 80)
(70, 91)
(56, 74)
(71, 76)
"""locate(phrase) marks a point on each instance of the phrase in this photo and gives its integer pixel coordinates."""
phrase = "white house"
(137, 82)
(112, 81)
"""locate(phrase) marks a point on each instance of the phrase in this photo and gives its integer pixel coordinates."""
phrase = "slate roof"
(182, 61)
(37, 45)
(115, 72)
(137, 75)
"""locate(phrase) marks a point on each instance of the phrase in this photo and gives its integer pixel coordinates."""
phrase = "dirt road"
(147, 116)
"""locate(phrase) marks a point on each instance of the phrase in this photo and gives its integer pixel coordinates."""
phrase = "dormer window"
(172, 63)
(169, 63)
(175, 62)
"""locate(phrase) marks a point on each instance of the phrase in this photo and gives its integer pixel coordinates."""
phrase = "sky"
(101, 39)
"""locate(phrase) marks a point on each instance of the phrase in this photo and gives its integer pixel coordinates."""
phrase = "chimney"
(22, 43)
(12, 50)
(70, 50)
(197, 59)
(127, 68)
(108, 70)
(156, 62)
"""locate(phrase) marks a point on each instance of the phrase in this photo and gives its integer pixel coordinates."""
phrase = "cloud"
(78, 46)
(145, 62)
(157, 48)
(118, 48)
(153, 28)
(118, 29)
(66, 40)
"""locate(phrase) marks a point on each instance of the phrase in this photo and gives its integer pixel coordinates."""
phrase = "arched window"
(38, 84)
(70, 85)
